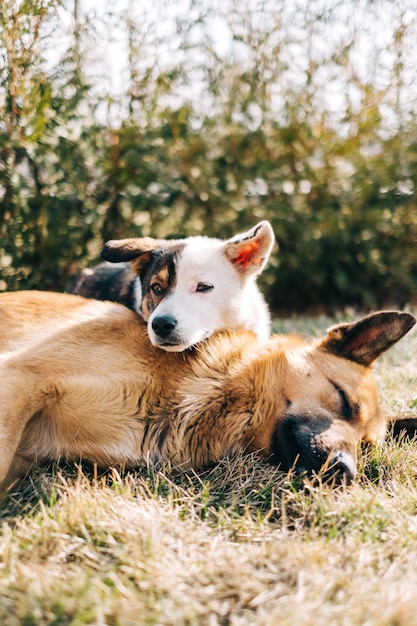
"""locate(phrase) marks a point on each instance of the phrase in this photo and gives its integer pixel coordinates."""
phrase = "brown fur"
(80, 379)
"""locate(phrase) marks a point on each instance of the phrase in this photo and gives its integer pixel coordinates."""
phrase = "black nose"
(341, 468)
(163, 325)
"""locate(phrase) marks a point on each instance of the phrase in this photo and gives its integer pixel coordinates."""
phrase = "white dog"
(186, 289)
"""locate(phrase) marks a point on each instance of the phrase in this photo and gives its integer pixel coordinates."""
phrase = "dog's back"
(80, 379)
(114, 282)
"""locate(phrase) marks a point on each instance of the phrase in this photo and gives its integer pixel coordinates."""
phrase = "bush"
(225, 116)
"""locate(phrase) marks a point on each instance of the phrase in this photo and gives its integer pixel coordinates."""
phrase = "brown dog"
(80, 379)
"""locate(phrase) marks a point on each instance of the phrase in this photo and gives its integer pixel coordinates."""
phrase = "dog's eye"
(157, 289)
(347, 410)
(201, 287)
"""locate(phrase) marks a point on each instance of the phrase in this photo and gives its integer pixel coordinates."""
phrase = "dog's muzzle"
(309, 446)
(164, 333)
(341, 468)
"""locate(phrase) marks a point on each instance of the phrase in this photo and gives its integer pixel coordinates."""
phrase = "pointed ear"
(249, 252)
(136, 250)
(363, 341)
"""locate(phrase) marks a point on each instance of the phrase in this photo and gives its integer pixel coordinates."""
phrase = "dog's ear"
(249, 252)
(136, 250)
(363, 341)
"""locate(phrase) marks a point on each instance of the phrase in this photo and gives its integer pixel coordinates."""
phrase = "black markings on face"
(159, 277)
(299, 439)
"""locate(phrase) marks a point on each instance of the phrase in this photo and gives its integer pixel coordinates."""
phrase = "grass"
(238, 544)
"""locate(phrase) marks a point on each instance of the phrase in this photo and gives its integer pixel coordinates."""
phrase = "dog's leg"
(20, 399)
(18, 468)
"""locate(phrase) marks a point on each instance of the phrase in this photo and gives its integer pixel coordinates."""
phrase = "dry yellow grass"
(239, 544)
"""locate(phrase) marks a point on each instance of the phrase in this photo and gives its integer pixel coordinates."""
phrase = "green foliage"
(228, 113)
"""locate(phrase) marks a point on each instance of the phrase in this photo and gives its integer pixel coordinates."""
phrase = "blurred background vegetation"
(191, 117)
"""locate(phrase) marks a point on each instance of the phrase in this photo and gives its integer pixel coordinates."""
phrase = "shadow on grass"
(237, 485)
(242, 489)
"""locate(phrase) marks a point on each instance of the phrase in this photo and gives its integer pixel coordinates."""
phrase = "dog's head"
(328, 401)
(193, 287)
